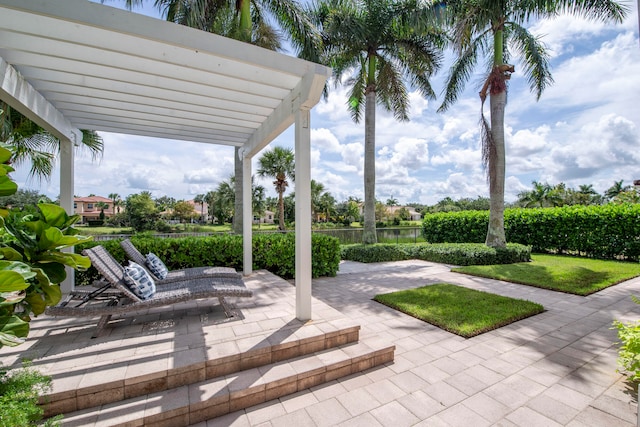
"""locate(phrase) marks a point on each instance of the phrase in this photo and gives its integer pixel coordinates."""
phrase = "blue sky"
(585, 129)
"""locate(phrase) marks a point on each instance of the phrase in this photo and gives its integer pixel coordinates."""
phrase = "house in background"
(202, 209)
(415, 216)
(268, 217)
(89, 208)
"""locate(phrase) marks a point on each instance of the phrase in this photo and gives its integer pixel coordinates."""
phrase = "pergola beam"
(20, 95)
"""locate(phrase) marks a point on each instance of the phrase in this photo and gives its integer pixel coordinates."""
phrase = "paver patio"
(556, 368)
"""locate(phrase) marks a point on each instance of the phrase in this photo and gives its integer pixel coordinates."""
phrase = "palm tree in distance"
(278, 163)
(117, 201)
(377, 45)
(494, 29)
(616, 189)
(200, 199)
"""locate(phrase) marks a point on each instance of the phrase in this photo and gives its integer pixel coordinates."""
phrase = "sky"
(585, 129)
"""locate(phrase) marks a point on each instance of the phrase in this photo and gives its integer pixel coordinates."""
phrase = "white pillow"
(139, 281)
(156, 266)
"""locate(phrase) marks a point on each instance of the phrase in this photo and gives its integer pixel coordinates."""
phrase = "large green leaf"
(5, 155)
(7, 186)
(53, 215)
(37, 302)
(76, 261)
(52, 293)
(10, 254)
(11, 298)
(50, 272)
(12, 329)
(12, 281)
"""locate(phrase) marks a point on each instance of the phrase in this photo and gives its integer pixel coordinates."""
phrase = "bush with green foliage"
(446, 253)
(20, 390)
(273, 252)
(32, 264)
(629, 353)
(608, 231)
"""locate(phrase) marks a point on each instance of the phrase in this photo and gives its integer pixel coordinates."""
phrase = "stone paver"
(556, 368)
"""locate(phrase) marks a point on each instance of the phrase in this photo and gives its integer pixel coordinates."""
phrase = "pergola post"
(66, 199)
(247, 214)
(303, 214)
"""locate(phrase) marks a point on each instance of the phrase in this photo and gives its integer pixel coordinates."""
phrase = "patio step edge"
(197, 402)
(219, 362)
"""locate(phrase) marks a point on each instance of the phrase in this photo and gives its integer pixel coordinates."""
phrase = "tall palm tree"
(494, 29)
(30, 143)
(377, 45)
(278, 163)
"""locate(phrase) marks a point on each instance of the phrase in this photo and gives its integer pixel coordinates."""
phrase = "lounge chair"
(176, 275)
(115, 297)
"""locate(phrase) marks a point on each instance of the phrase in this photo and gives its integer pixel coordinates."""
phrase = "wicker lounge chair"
(115, 298)
(177, 275)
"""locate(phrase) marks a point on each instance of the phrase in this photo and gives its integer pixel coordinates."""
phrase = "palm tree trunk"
(495, 232)
(369, 232)
(280, 211)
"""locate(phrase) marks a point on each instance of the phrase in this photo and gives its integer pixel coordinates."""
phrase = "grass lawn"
(462, 311)
(579, 276)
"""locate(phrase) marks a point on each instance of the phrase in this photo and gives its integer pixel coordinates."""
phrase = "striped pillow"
(139, 281)
(156, 266)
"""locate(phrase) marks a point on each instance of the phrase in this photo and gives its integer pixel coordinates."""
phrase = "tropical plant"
(378, 45)
(200, 199)
(29, 143)
(278, 163)
(31, 263)
(494, 30)
(629, 352)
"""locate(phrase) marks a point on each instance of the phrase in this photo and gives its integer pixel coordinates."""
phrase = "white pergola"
(72, 64)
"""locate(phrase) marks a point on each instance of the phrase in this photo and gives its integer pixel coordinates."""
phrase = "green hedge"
(608, 231)
(273, 252)
(447, 253)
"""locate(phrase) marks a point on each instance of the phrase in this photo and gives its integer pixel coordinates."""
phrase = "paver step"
(148, 375)
(193, 403)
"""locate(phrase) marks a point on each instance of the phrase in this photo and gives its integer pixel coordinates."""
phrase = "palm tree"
(494, 29)
(278, 163)
(317, 188)
(200, 199)
(30, 143)
(616, 189)
(117, 201)
(378, 45)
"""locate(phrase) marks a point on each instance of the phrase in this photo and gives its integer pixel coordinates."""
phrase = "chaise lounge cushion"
(139, 281)
(156, 266)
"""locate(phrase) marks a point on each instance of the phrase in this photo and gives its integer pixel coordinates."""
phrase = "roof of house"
(92, 199)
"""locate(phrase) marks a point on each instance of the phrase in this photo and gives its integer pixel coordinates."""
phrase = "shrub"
(273, 252)
(608, 231)
(629, 353)
(447, 253)
(20, 390)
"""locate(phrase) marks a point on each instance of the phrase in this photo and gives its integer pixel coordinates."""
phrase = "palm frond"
(358, 83)
(535, 59)
(459, 74)
(391, 90)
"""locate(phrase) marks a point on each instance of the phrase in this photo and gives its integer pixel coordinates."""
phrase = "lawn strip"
(462, 311)
(573, 275)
